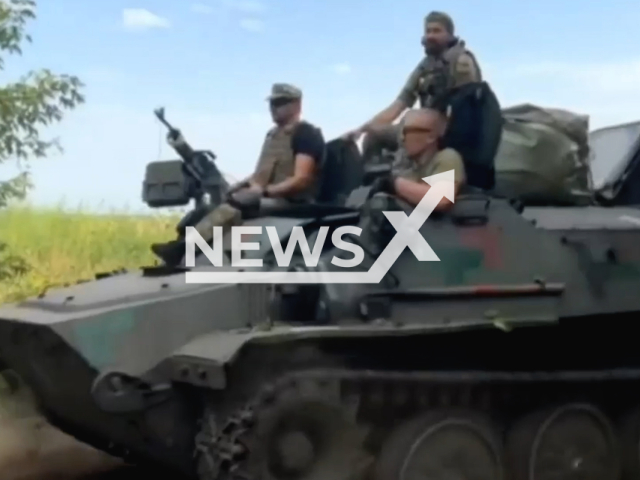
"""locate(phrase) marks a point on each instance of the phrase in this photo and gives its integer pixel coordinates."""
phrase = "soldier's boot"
(224, 215)
(170, 253)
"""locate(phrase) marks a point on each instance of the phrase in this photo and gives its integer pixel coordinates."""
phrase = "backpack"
(474, 130)
(342, 171)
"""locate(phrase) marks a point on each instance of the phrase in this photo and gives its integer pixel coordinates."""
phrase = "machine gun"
(174, 183)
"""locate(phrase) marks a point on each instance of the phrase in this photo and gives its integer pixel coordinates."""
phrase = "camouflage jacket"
(435, 76)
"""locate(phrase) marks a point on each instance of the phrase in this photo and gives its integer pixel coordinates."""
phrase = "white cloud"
(341, 68)
(250, 12)
(244, 6)
(252, 24)
(202, 8)
(141, 19)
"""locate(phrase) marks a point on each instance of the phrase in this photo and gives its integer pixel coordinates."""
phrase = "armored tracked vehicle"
(513, 357)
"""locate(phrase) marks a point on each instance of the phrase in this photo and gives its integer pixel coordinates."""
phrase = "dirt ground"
(32, 449)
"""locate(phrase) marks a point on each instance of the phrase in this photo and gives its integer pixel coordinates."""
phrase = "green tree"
(37, 100)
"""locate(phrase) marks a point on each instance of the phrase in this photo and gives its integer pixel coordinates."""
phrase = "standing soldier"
(447, 65)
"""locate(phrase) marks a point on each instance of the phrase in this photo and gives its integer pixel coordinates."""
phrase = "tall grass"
(62, 246)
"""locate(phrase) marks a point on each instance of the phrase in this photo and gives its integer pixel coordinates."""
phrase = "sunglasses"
(407, 130)
(280, 102)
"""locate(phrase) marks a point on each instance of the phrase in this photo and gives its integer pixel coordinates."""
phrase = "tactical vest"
(277, 161)
(438, 74)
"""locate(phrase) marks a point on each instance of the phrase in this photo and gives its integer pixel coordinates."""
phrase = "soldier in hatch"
(287, 169)
(421, 132)
(446, 66)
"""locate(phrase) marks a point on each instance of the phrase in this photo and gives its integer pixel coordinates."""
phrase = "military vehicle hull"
(514, 354)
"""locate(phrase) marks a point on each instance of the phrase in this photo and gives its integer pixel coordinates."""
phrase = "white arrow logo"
(407, 236)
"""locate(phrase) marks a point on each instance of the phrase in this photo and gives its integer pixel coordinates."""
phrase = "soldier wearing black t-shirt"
(287, 169)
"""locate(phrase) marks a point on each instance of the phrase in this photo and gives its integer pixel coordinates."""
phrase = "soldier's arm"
(412, 192)
(406, 98)
(308, 147)
(252, 181)
(247, 182)
(465, 71)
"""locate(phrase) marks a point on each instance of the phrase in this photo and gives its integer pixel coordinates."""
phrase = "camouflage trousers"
(224, 215)
(227, 216)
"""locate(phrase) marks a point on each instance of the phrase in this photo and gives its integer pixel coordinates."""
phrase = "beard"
(432, 47)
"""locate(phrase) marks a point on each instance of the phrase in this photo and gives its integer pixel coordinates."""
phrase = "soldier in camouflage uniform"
(447, 65)
(287, 170)
(420, 134)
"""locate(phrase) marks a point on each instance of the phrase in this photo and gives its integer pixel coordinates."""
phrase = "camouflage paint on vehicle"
(524, 308)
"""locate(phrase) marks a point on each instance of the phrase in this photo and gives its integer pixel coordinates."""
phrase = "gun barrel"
(168, 125)
(159, 113)
(182, 148)
(185, 151)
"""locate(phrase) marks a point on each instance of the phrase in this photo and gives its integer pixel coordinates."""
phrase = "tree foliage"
(38, 99)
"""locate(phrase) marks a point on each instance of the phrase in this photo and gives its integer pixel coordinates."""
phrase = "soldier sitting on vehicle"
(422, 130)
(286, 172)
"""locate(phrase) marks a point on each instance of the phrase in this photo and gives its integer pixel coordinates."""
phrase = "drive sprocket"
(299, 432)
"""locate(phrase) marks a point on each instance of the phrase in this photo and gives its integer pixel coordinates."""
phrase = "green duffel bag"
(543, 157)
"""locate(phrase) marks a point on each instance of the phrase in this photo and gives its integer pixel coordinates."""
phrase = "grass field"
(63, 246)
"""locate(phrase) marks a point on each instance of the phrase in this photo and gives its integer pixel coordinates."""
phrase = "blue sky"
(211, 64)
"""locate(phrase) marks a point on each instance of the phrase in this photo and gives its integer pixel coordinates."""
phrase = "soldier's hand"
(353, 135)
(384, 184)
(246, 198)
(238, 186)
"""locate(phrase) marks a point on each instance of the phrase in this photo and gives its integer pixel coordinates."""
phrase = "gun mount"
(173, 183)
